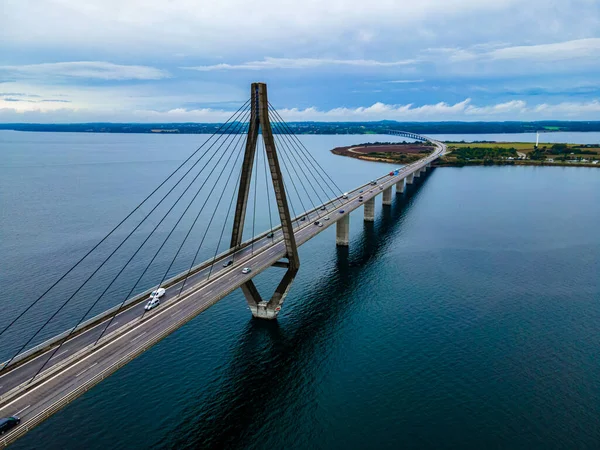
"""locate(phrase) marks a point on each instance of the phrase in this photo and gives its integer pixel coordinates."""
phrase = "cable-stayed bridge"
(253, 158)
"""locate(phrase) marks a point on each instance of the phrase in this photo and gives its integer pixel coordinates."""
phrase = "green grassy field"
(528, 147)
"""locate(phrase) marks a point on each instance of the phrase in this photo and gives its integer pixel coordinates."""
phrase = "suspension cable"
(303, 164)
(119, 224)
(224, 226)
(310, 159)
(175, 226)
(256, 155)
(133, 256)
(203, 238)
(114, 251)
(267, 190)
(305, 151)
(282, 145)
(295, 189)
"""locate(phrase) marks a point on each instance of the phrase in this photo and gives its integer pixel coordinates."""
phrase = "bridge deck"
(79, 365)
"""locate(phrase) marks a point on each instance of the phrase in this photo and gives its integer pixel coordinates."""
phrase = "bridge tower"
(259, 119)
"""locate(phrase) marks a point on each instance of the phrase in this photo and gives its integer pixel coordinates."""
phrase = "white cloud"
(85, 69)
(301, 63)
(558, 51)
(465, 111)
(405, 81)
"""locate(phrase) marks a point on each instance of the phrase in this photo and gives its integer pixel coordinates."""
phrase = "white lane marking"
(61, 353)
(139, 336)
(85, 370)
(19, 412)
(116, 323)
(176, 313)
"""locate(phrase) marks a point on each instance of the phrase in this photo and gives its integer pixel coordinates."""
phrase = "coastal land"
(379, 127)
(484, 153)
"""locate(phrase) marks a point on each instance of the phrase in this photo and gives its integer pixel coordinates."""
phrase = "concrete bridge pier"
(423, 169)
(369, 210)
(417, 173)
(400, 186)
(387, 196)
(342, 232)
(410, 178)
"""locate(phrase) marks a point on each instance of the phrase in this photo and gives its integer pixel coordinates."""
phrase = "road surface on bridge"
(78, 365)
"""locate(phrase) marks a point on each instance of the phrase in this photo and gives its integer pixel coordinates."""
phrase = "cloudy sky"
(193, 60)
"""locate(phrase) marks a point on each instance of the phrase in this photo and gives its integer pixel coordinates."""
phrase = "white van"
(157, 293)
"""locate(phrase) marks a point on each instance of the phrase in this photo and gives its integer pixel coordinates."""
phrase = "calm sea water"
(466, 316)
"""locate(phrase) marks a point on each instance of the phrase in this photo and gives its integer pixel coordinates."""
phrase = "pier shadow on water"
(272, 368)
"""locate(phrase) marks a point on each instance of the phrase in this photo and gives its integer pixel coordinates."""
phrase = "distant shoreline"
(321, 128)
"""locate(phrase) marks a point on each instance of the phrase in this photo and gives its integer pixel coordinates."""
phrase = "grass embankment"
(520, 153)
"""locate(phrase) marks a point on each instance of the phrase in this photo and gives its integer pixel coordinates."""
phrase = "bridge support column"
(423, 169)
(410, 178)
(400, 186)
(387, 196)
(369, 210)
(263, 309)
(417, 173)
(342, 232)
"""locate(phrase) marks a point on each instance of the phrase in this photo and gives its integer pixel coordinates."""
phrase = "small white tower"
(537, 138)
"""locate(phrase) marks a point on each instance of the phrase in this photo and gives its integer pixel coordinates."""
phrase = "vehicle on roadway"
(303, 218)
(341, 211)
(8, 423)
(228, 263)
(152, 303)
(323, 208)
(360, 199)
(327, 218)
(320, 224)
(270, 235)
(345, 195)
(157, 293)
(246, 270)
(373, 183)
(361, 191)
(391, 174)
(381, 187)
(317, 223)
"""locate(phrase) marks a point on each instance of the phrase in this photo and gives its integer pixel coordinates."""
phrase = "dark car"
(8, 423)
(227, 263)
(323, 208)
(303, 218)
(341, 211)
(270, 235)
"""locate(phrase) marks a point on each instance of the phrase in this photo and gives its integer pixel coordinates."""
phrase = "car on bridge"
(345, 195)
(228, 263)
(152, 303)
(8, 423)
(157, 293)
(360, 199)
(270, 235)
(373, 183)
(246, 270)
